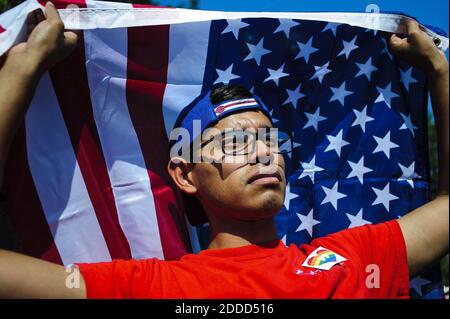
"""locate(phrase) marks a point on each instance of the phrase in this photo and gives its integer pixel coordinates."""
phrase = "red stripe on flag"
(24, 206)
(138, 5)
(146, 80)
(70, 82)
(62, 4)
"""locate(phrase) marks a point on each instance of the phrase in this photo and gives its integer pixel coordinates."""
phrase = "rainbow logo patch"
(323, 258)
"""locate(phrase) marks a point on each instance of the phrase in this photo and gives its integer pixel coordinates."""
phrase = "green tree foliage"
(8, 4)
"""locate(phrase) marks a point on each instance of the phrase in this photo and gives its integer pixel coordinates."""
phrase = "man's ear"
(179, 170)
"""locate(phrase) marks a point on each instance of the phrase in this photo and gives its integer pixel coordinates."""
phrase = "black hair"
(228, 92)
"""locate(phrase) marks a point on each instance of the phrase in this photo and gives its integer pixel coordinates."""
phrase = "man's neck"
(237, 233)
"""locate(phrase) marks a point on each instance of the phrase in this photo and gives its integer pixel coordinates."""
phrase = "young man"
(245, 258)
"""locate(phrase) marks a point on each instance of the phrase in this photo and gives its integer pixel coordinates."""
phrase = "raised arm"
(22, 276)
(25, 63)
(426, 229)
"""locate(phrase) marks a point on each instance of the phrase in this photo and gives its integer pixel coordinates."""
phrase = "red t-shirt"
(266, 271)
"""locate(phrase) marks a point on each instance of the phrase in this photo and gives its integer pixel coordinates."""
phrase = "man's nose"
(263, 153)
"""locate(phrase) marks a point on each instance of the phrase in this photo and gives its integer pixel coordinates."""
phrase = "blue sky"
(433, 12)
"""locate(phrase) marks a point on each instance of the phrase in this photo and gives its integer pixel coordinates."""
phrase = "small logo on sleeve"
(323, 258)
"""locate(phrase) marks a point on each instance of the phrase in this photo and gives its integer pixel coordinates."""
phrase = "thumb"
(70, 40)
(69, 44)
(398, 46)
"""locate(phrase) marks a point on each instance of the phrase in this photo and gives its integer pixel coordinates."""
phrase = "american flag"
(86, 176)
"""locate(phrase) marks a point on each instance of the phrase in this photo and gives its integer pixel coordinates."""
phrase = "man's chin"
(269, 203)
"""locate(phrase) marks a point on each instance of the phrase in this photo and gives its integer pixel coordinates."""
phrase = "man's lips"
(260, 179)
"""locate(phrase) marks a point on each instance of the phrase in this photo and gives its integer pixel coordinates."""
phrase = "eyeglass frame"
(256, 138)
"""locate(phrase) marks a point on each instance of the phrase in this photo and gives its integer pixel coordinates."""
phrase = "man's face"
(250, 187)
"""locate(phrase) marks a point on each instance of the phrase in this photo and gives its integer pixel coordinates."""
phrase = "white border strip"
(110, 15)
(113, 18)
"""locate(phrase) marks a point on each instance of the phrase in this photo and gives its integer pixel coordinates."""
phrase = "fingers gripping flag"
(86, 178)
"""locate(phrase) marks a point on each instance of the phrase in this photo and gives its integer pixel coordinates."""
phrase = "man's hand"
(418, 49)
(47, 42)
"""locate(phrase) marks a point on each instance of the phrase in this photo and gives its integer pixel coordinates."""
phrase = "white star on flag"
(358, 220)
(314, 119)
(348, 47)
(340, 93)
(366, 69)
(320, 72)
(307, 222)
(407, 78)
(408, 124)
(383, 196)
(336, 143)
(234, 26)
(225, 76)
(362, 118)
(275, 75)
(294, 96)
(306, 49)
(284, 239)
(289, 196)
(331, 26)
(408, 174)
(275, 120)
(285, 26)
(256, 51)
(384, 144)
(417, 283)
(358, 170)
(386, 95)
(310, 169)
(332, 195)
(294, 146)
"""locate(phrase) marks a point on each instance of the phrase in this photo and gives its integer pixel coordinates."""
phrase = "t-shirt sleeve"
(378, 251)
(119, 278)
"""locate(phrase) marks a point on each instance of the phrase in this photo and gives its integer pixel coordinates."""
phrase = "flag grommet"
(437, 41)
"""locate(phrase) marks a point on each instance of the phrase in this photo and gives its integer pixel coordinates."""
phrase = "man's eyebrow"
(247, 126)
(235, 129)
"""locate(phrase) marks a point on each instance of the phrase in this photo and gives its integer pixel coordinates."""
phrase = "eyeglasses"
(244, 142)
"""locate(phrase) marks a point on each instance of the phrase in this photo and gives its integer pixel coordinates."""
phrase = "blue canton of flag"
(358, 117)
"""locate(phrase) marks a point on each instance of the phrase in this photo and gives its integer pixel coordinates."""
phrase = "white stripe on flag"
(106, 50)
(59, 183)
(185, 72)
(187, 59)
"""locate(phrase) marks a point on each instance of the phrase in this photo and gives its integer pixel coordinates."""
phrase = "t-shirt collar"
(248, 251)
